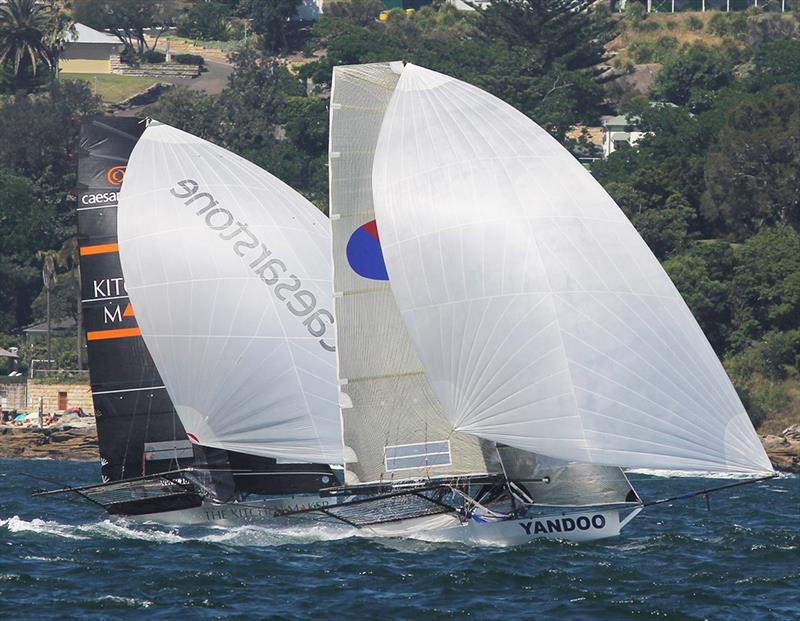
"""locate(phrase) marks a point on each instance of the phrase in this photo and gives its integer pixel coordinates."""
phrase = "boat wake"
(701, 474)
(247, 535)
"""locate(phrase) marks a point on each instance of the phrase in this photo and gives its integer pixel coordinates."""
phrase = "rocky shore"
(60, 442)
(784, 449)
(81, 443)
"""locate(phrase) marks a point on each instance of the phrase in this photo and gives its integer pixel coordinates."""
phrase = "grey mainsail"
(393, 424)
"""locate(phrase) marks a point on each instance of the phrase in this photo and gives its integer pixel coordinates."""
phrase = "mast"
(137, 428)
(393, 424)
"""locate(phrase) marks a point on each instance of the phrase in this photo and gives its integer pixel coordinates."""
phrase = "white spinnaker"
(540, 315)
(229, 274)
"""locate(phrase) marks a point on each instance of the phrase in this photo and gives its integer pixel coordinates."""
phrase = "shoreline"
(65, 442)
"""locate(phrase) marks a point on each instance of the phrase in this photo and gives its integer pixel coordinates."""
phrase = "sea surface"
(65, 559)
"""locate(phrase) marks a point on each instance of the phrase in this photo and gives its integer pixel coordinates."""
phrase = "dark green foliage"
(766, 28)
(694, 23)
(38, 139)
(752, 174)
(728, 24)
(205, 20)
(535, 55)
(30, 35)
(188, 59)
(693, 74)
(152, 56)
(28, 223)
(765, 292)
(702, 274)
(272, 20)
(658, 51)
(777, 63)
(191, 111)
(361, 12)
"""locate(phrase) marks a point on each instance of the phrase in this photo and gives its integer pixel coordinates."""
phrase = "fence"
(679, 6)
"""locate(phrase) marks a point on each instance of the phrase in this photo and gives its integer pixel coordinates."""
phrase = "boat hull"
(209, 513)
(577, 526)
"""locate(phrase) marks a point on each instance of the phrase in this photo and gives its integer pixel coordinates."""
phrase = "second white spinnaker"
(229, 274)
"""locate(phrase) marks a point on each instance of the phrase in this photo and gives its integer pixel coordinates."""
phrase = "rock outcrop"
(784, 449)
(56, 442)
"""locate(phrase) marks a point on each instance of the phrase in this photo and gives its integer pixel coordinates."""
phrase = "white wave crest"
(124, 602)
(702, 474)
(17, 525)
(252, 535)
(121, 529)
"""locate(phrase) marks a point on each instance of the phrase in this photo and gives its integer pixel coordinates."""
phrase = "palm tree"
(24, 31)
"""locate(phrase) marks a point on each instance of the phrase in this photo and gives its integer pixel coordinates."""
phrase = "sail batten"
(539, 314)
(229, 272)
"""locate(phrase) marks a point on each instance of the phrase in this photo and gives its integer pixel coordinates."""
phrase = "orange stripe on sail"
(121, 333)
(99, 249)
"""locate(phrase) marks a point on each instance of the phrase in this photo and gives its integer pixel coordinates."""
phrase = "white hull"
(579, 526)
(237, 513)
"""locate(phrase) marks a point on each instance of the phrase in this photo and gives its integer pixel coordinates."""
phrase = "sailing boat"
(227, 277)
(506, 340)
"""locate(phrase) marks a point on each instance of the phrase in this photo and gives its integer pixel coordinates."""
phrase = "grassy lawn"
(112, 88)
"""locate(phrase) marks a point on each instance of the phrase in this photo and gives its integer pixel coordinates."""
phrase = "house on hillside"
(461, 5)
(619, 130)
(309, 10)
(89, 51)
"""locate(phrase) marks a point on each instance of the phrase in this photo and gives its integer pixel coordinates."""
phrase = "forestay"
(229, 274)
(541, 317)
(393, 424)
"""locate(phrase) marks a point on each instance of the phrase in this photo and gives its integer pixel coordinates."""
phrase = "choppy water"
(64, 559)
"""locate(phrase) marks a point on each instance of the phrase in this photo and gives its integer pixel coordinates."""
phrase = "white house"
(618, 130)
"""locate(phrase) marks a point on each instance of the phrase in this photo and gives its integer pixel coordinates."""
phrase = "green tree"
(751, 175)
(28, 224)
(25, 35)
(205, 20)
(127, 20)
(192, 111)
(361, 12)
(570, 33)
(702, 274)
(38, 140)
(765, 289)
(692, 75)
(777, 63)
(272, 20)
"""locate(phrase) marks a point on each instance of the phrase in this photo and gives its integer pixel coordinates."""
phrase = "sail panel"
(229, 274)
(393, 424)
(132, 407)
(541, 317)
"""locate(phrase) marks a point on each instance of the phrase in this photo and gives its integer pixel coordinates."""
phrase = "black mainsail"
(138, 431)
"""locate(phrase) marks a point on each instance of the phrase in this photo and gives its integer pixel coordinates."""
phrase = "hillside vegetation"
(713, 187)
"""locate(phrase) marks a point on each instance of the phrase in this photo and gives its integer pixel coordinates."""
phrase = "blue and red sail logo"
(364, 252)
